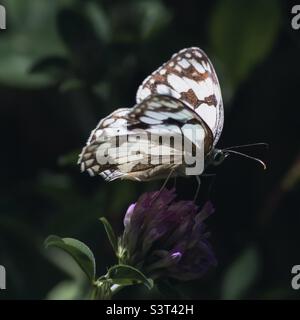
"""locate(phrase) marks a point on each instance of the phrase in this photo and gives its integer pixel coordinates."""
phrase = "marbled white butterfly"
(183, 92)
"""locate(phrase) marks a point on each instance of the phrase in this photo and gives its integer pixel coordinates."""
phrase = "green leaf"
(110, 234)
(243, 33)
(68, 290)
(99, 20)
(241, 275)
(31, 22)
(78, 250)
(54, 65)
(128, 275)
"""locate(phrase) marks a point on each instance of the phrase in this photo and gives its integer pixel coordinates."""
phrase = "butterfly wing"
(190, 77)
(155, 116)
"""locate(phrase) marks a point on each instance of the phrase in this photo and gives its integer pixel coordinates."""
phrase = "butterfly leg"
(175, 182)
(198, 187)
(164, 185)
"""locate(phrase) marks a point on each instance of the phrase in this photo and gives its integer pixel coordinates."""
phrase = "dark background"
(66, 64)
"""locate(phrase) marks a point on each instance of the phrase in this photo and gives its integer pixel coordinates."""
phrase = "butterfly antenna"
(248, 145)
(198, 188)
(246, 156)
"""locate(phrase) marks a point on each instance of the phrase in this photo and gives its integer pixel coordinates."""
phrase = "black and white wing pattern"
(190, 77)
(157, 115)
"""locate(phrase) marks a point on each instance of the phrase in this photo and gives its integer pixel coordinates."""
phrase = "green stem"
(101, 290)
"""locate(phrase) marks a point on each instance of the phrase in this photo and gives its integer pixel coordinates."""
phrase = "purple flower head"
(167, 238)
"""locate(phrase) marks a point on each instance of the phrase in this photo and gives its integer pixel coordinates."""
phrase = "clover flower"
(166, 238)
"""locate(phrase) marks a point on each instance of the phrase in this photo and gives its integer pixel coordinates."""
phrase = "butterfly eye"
(218, 157)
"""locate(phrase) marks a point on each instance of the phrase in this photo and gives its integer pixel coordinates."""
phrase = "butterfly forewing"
(157, 115)
(190, 77)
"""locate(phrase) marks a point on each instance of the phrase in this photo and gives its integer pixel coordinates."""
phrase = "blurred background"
(66, 64)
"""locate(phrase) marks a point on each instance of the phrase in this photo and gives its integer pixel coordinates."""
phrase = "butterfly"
(183, 93)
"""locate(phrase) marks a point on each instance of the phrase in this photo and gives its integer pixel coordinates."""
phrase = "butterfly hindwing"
(190, 77)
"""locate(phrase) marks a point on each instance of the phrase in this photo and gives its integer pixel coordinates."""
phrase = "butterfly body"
(182, 94)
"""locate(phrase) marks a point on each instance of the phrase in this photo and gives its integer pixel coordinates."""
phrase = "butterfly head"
(218, 156)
